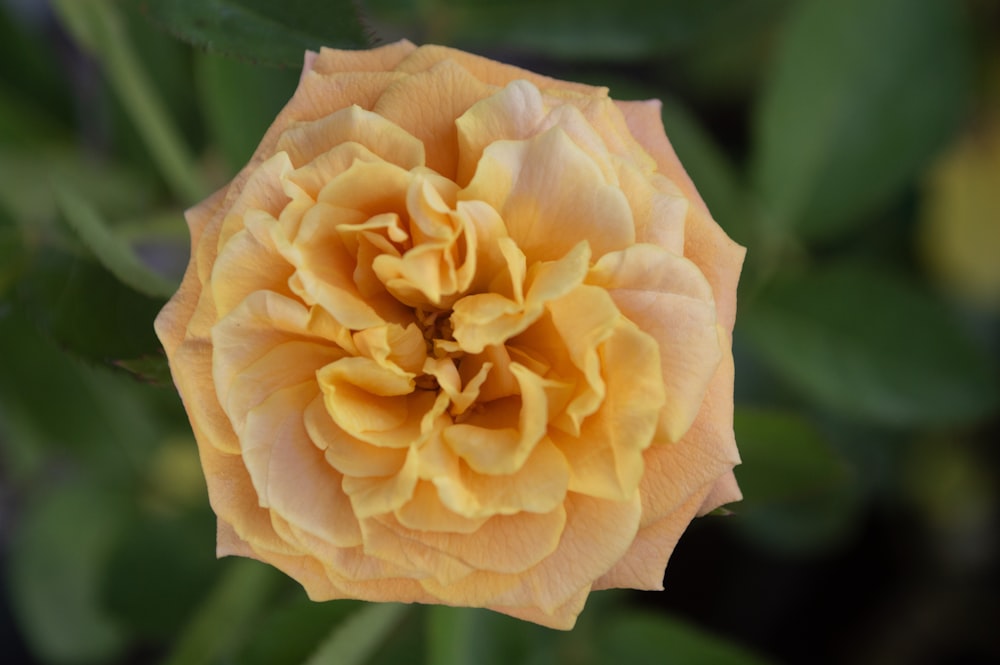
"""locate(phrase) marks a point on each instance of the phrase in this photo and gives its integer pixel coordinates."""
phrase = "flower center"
(435, 326)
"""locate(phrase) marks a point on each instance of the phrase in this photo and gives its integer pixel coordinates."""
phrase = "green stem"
(224, 616)
(97, 26)
(354, 640)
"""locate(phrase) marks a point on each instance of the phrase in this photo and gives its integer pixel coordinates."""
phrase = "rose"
(458, 333)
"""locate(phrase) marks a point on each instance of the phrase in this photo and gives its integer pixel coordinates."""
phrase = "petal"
(486, 70)
(642, 566)
(498, 438)
(668, 298)
(306, 141)
(426, 105)
(380, 59)
(704, 454)
(596, 535)
(718, 257)
(551, 195)
(191, 366)
(346, 454)
(244, 266)
(289, 472)
(606, 458)
(510, 544)
(538, 486)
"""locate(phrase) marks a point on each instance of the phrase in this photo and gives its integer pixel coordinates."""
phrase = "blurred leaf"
(26, 188)
(56, 563)
(356, 638)
(113, 253)
(261, 30)
(640, 638)
(56, 406)
(98, 26)
(162, 565)
(727, 60)
(151, 369)
(40, 78)
(861, 95)
(796, 494)
(227, 613)
(290, 633)
(571, 29)
(868, 344)
(460, 635)
(11, 251)
(784, 458)
(711, 170)
(26, 122)
(240, 102)
(87, 310)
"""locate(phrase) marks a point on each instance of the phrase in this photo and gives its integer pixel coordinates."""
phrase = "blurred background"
(852, 145)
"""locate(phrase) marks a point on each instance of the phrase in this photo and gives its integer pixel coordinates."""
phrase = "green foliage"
(798, 496)
(641, 638)
(860, 95)
(240, 101)
(111, 251)
(867, 343)
(260, 31)
(55, 573)
(227, 614)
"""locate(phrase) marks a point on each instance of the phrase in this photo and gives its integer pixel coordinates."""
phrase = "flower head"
(458, 333)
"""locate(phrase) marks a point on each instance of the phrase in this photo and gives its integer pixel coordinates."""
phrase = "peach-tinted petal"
(426, 105)
(380, 59)
(643, 565)
(551, 196)
(705, 242)
(669, 298)
(289, 473)
(706, 452)
(304, 142)
(484, 69)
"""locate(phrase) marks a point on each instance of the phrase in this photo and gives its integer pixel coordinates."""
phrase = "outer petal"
(715, 253)
(706, 453)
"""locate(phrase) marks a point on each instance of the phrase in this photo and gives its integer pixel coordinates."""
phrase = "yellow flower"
(458, 333)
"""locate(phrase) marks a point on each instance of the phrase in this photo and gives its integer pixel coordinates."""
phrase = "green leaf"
(570, 29)
(240, 102)
(797, 494)
(55, 570)
(868, 344)
(150, 369)
(29, 174)
(227, 614)
(12, 251)
(712, 171)
(640, 638)
(784, 458)
(98, 26)
(354, 640)
(169, 558)
(459, 635)
(860, 95)
(86, 309)
(53, 405)
(261, 30)
(113, 253)
(290, 632)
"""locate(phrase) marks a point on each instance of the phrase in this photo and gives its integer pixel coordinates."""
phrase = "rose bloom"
(458, 333)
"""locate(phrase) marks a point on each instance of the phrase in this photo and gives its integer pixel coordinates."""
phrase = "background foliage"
(852, 145)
